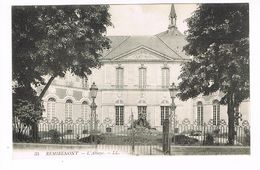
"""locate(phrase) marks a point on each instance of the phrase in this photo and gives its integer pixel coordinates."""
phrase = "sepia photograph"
(87, 81)
(129, 85)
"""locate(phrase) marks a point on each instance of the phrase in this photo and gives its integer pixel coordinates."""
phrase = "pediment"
(142, 54)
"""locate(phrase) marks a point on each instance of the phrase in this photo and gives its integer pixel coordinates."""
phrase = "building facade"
(134, 80)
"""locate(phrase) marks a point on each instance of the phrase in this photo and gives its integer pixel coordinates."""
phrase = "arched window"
(216, 112)
(51, 108)
(200, 113)
(84, 111)
(68, 109)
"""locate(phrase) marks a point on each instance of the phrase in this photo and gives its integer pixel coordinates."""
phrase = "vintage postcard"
(154, 79)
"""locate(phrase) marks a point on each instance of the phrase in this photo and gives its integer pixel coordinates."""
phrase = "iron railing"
(132, 139)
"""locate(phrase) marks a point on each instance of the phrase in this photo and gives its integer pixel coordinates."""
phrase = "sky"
(146, 19)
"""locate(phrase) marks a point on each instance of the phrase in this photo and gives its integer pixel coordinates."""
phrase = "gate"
(107, 137)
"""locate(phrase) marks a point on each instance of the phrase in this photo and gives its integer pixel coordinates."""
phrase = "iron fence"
(135, 140)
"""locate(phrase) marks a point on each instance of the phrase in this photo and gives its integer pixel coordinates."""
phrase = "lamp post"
(173, 92)
(93, 95)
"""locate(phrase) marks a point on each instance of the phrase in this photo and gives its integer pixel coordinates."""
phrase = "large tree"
(51, 40)
(218, 41)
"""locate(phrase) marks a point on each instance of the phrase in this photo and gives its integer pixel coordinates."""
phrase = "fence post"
(133, 133)
(62, 133)
(204, 133)
(166, 139)
(35, 132)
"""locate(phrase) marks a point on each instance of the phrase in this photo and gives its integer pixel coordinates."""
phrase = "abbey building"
(134, 79)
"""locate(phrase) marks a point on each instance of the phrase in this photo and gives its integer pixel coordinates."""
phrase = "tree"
(51, 40)
(218, 41)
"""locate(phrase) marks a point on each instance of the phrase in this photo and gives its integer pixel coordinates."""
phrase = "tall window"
(165, 77)
(119, 115)
(216, 112)
(84, 111)
(119, 77)
(68, 109)
(51, 108)
(199, 113)
(85, 82)
(142, 77)
(142, 112)
(165, 110)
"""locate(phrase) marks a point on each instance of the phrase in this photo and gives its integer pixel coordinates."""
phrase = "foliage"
(21, 137)
(51, 40)
(93, 138)
(54, 135)
(218, 41)
(25, 114)
(184, 140)
(209, 139)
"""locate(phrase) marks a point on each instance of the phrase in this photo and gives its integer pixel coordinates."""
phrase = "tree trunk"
(35, 125)
(231, 127)
(46, 88)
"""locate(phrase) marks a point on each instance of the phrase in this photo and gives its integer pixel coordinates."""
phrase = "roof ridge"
(118, 45)
(170, 47)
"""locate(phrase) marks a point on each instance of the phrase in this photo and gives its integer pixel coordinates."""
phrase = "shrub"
(20, 137)
(92, 139)
(184, 140)
(209, 140)
(216, 132)
(54, 135)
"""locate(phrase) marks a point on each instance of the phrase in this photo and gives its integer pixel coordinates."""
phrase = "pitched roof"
(166, 43)
(175, 40)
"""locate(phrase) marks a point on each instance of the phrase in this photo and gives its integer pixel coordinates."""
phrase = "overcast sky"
(146, 19)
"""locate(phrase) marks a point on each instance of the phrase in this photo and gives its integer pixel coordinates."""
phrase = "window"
(119, 115)
(119, 77)
(142, 77)
(142, 112)
(199, 113)
(68, 109)
(84, 111)
(165, 77)
(85, 82)
(216, 112)
(165, 110)
(51, 108)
